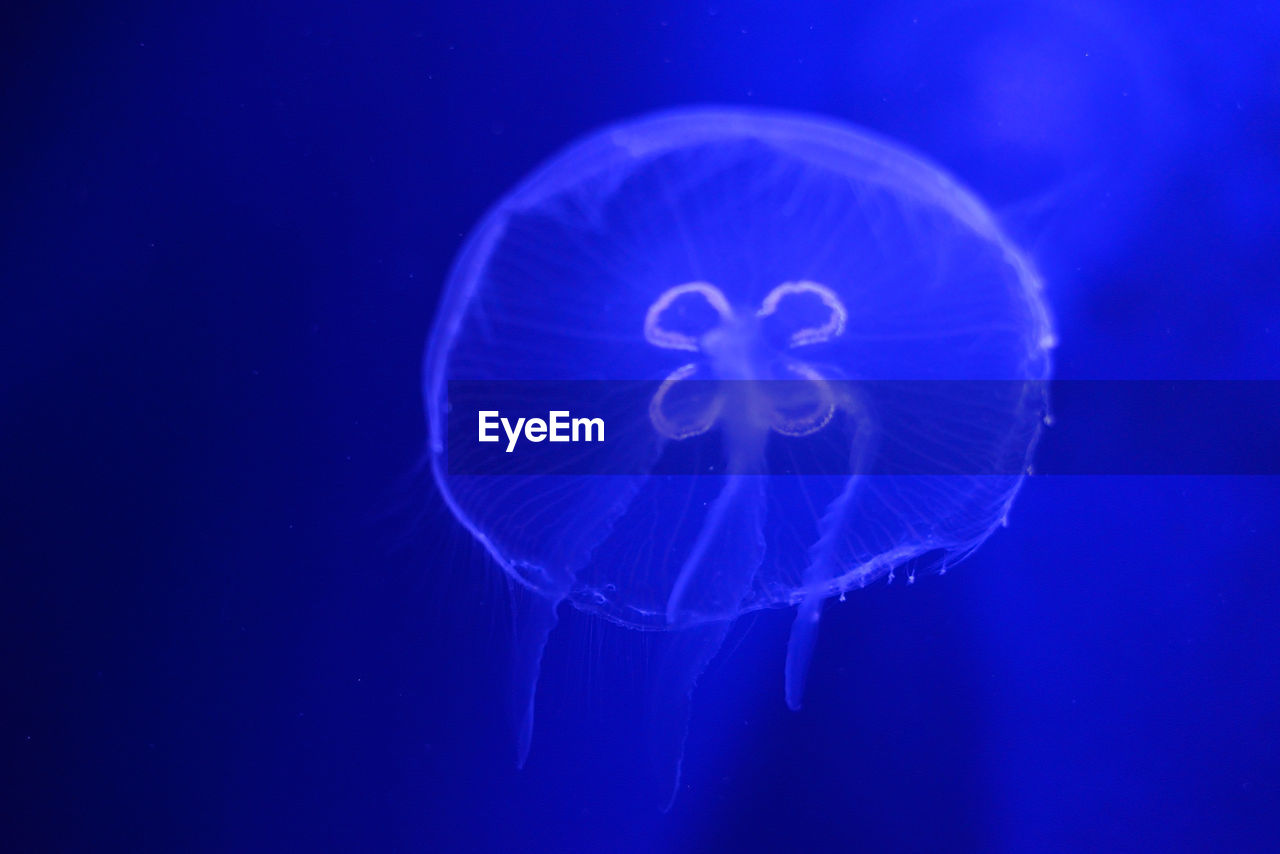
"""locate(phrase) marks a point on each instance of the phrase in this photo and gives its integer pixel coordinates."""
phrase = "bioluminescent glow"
(747, 246)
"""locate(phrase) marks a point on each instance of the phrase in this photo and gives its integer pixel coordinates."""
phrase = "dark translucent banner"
(813, 425)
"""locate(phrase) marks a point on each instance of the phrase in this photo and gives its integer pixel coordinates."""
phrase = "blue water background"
(234, 619)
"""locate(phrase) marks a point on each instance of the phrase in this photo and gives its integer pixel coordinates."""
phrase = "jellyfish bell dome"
(781, 288)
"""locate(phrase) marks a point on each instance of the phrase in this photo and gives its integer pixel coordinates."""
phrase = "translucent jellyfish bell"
(795, 291)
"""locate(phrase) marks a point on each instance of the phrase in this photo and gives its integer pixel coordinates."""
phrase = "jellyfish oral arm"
(824, 562)
(719, 569)
(533, 618)
(707, 594)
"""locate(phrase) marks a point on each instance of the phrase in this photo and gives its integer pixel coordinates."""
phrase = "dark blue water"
(235, 619)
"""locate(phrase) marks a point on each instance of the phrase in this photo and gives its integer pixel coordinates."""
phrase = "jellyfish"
(839, 321)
